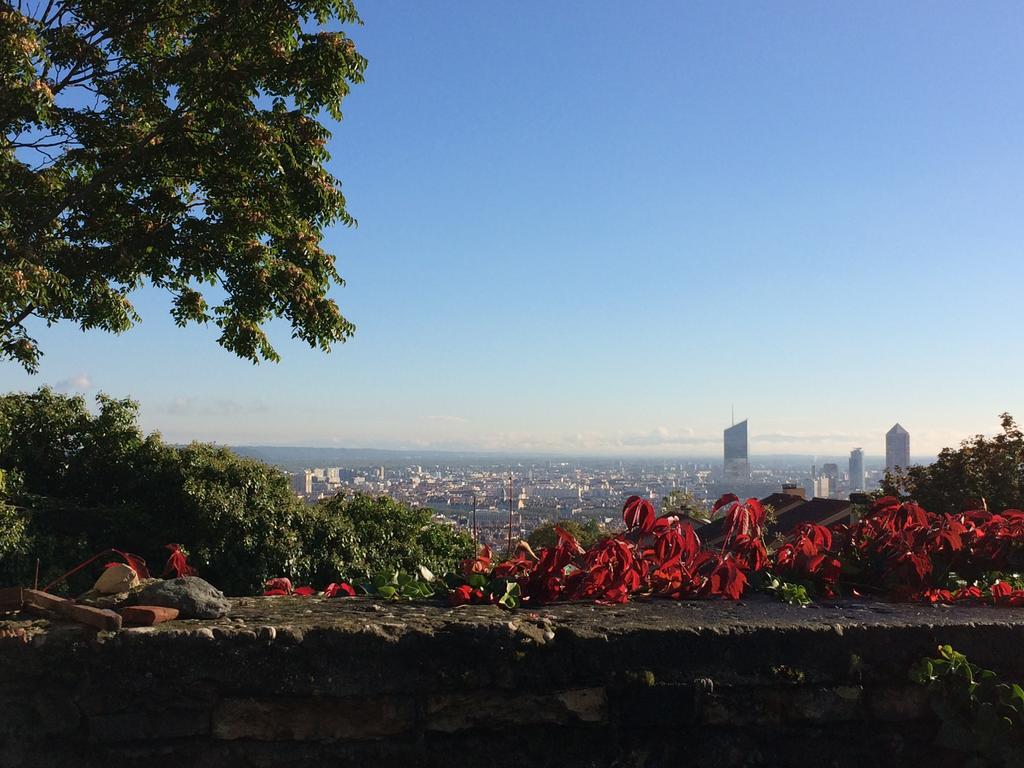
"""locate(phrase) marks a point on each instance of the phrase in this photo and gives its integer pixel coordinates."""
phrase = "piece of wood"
(44, 602)
(148, 615)
(100, 618)
(11, 599)
(39, 600)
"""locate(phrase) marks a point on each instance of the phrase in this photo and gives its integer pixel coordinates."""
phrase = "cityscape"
(429, 384)
(487, 495)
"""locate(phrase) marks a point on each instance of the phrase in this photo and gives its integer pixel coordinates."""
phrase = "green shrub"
(88, 482)
(389, 536)
(13, 539)
(587, 533)
(980, 714)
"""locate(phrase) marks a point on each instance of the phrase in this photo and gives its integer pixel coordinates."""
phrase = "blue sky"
(596, 226)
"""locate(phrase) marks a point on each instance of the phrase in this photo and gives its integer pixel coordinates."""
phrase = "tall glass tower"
(857, 469)
(737, 466)
(897, 448)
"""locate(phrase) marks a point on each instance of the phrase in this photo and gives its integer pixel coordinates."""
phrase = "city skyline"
(565, 251)
(735, 451)
(467, 491)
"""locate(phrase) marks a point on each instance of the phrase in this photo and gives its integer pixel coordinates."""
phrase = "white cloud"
(444, 419)
(662, 436)
(80, 382)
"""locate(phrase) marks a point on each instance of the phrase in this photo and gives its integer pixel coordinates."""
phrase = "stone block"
(136, 726)
(783, 704)
(42, 713)
(313, 719)
(899, 703)
(486, 709)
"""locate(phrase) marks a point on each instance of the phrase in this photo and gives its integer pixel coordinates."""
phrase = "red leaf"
(934, 596)
(675, 546)
(1000, 589)
(746, 519)
(339, 590)
(727, 580)
(461, 595)
(136, 562)
(727, 498)
(177, 563)
(749, 552)
(638, 513)
(972, 592)
(278, 586)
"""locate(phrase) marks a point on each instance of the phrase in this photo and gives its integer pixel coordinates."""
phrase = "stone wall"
(307, 681)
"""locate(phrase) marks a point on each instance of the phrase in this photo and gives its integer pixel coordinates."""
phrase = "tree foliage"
(12, 526)
(685, 504)
(78, 482)
(982, 471)
(388, 535)
(177, 143)
(587, 533)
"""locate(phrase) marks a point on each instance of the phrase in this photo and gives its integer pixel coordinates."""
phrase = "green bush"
(87, 482)
(587, 533)
(390, 536)
(12, 526)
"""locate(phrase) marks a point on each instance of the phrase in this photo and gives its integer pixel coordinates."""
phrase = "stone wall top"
(679, 638)
(313, 681)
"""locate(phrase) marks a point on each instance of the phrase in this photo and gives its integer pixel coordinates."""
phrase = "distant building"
(857, 480)
(737, 464)
(822, 487)
(302, 483)
(794, 491)
(897, 448)
(830, 470)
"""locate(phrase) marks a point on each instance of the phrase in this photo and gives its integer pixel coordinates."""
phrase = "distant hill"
(298, 457)
(293, 458)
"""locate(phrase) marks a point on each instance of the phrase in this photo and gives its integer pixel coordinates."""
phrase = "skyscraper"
(737, 466)
(897, 448)
(302, 482)
(857, 469)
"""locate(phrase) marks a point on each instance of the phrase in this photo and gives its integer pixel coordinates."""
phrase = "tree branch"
(17, 320)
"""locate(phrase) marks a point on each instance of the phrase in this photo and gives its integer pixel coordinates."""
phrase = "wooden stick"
(43, 602)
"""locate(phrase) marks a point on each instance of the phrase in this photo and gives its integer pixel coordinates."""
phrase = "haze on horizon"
(588, 232)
